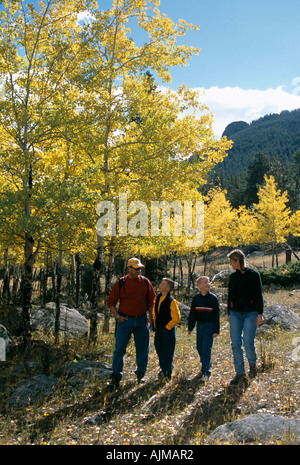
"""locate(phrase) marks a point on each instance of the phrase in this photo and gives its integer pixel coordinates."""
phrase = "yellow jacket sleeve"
(175, 314)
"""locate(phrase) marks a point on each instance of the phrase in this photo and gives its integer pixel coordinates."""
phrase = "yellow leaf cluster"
(273, 215)
(83, 121)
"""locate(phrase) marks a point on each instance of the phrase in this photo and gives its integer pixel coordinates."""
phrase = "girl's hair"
(237, 254)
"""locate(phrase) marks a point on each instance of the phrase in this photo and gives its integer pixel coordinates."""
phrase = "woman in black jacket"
(245, 309)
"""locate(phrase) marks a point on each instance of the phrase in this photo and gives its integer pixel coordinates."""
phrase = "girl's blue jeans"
(243, 327)
(141, 334)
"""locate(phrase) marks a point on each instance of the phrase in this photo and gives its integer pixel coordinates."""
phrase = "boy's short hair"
(170, 283)
(201, 278)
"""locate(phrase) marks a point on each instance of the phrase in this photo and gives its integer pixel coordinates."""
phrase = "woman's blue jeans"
(164, 343)
(243, 327)
(204, 343)
(141, 334)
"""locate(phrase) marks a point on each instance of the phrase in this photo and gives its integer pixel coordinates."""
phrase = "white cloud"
(230, 104)
(85, 17)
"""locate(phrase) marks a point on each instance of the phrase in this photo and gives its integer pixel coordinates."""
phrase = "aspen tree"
(273, 216)
(37, 51)
(83, 121)
(137, 136)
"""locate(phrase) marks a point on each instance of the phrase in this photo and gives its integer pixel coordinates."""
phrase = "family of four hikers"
(137, 310)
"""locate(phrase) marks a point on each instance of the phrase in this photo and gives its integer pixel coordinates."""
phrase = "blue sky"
(249, 63)
(249, 44)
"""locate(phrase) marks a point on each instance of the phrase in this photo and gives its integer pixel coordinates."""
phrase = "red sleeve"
(114, 295)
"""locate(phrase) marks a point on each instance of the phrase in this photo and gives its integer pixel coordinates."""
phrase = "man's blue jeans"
(204, 343)
(164, 342)
(242, 332)
(141, 334)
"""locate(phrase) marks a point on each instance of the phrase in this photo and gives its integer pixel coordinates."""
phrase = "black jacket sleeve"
(192, 316)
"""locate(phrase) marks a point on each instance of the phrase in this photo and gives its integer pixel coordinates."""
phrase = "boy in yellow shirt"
(165, 318)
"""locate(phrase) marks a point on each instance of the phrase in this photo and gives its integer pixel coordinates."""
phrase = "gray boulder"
(72, 323)
(184, 312)
(31, 391)
(5, 343)
(96, 419)
(85, 369)
(257, 427)
(278, 314)
(76, 382)
(222, 278)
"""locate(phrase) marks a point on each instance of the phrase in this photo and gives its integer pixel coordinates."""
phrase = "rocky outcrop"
(72, 323)
(278, 314)
(257, 427)
(85, 369)
(36, 388)
(5, 343)
(31, 391)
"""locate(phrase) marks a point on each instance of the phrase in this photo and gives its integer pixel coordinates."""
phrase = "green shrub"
(284, 276)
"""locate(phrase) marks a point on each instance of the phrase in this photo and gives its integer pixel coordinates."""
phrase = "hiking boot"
(239, 379)
(140, 378)
(202, 377)
(114, 384)
(163, 377)
(252, 371)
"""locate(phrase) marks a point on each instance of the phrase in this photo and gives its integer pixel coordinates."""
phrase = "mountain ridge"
(272, 134)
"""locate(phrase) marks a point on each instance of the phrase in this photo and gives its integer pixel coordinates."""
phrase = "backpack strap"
(122, 284)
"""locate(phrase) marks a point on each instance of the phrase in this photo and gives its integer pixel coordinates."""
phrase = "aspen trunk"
(29, 257)
(6, 278)
(174, 267)
(57, 293)
(16, 280)
(78, 278)
(27, 292)
(73, 279)
(95, 294)
(108, 276)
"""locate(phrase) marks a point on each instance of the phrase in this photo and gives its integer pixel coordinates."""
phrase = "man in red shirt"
(136, 296)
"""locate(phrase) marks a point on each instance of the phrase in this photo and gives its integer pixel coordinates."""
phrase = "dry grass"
(181, 412)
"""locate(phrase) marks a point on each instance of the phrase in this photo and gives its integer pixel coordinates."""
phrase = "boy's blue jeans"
(242, 332)
(204, 343)
(141, 334)
(164, 343)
